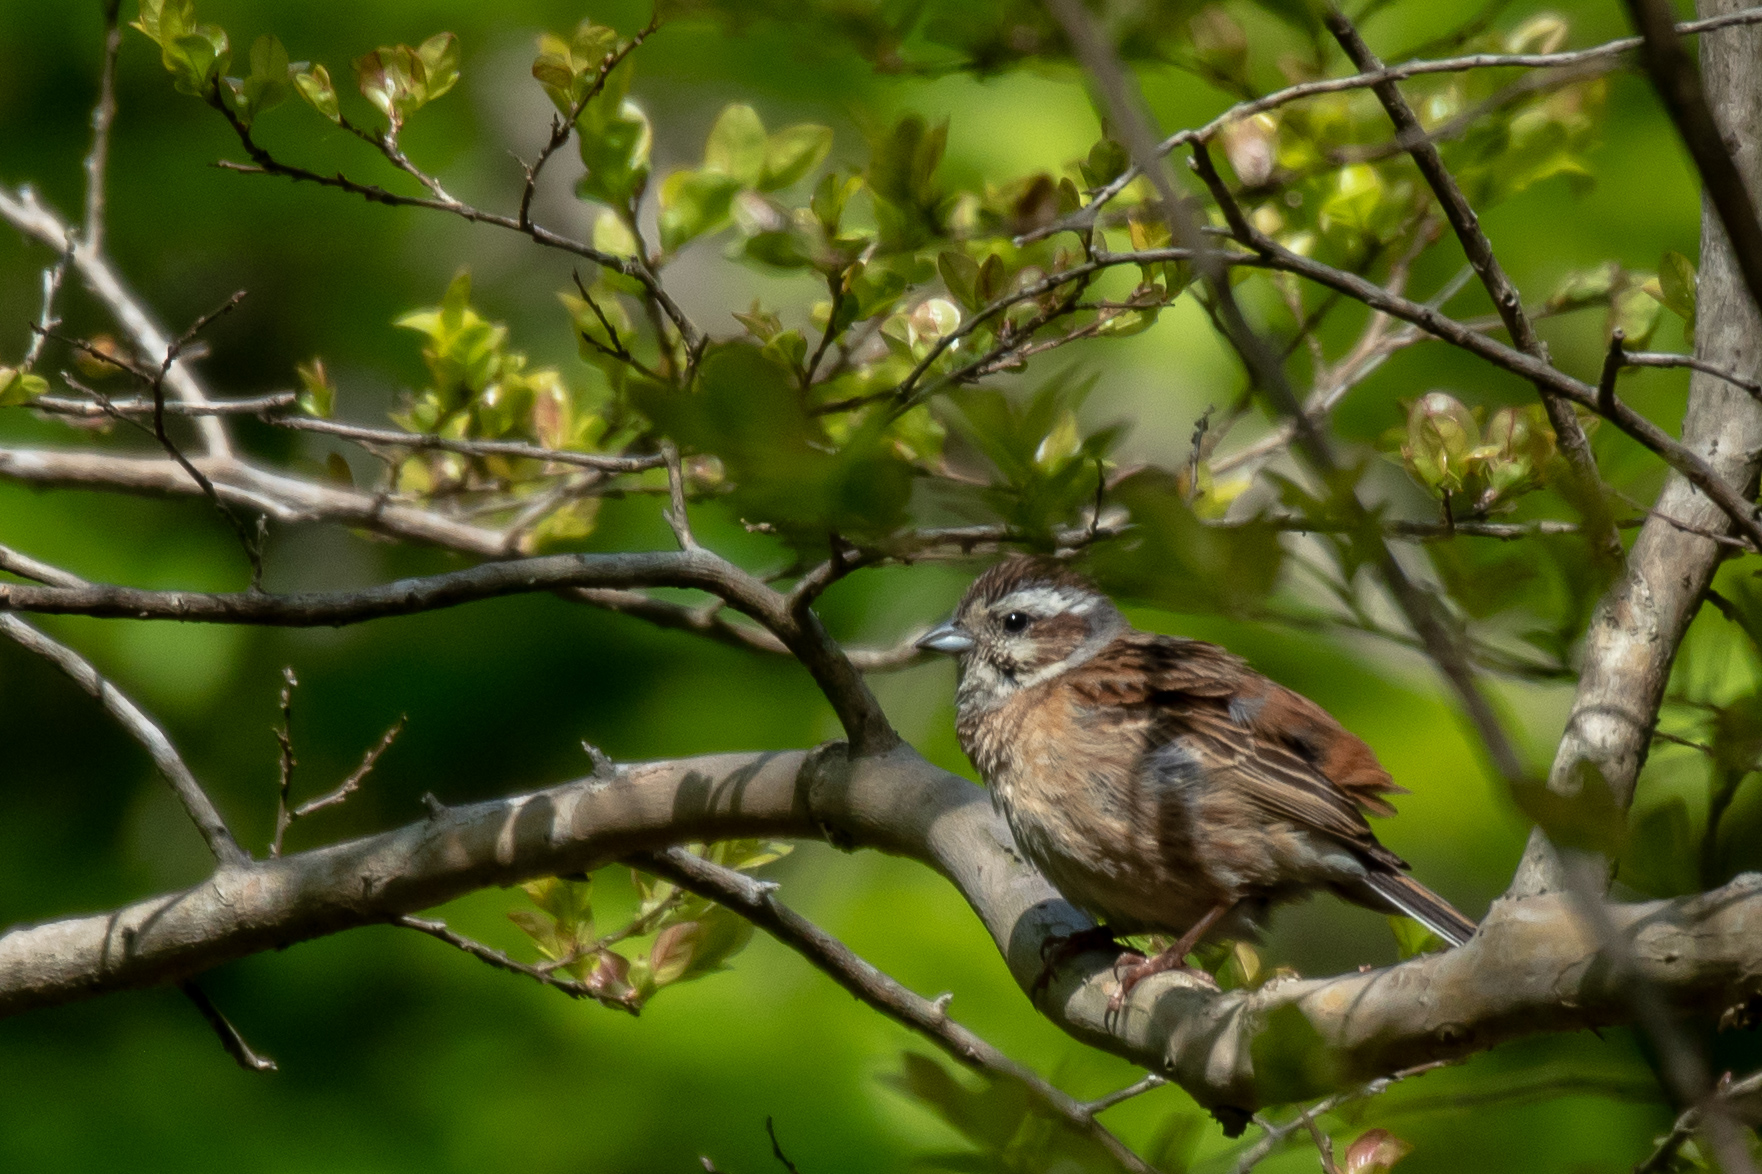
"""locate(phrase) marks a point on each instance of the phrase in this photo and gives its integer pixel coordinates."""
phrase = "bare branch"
(103, 116)
(27, 567)
(675, 513)
(1689, 1122)
(284, 498)
(230, 1039)
(562, 126)
(141, 728)
(1574, 445)
(573, 987)
(756, 901)
(1204, 134)
(391, 438)
(29, 216)
(1524, 972)
(255, 406)
(857, 709)
(1678, 83)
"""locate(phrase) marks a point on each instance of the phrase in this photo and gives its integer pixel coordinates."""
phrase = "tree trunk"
(1640, 622)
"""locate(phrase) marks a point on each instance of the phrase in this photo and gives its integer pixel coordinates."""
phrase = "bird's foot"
(1056, 951)
(1132, 969)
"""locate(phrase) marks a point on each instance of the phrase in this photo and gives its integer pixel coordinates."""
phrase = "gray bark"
(1634, 635)
(1531, 968)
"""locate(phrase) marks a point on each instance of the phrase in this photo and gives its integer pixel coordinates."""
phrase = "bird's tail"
(1420, 903)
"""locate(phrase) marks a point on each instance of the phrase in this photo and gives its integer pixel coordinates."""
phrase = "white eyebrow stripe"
(1046, 601)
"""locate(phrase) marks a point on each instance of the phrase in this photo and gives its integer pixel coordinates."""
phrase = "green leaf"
(960, 273)
(440, 57)
(400, 80)
(736, 147)
(1413, 939)
(1106, 161)
(615, 141)
(693, 203)
(20, 387)
(317, 395)
(788, 349)
(1441, 433)
(198, 59)
(830, 196)
(1675, 287)
(1634, 312)
(793, 152)
(692, 949)
(267, 84)
(1358, 191)
(567, 69)
(1176, 561)
(315, 86)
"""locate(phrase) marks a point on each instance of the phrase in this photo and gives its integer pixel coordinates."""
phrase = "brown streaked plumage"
(1161, 784)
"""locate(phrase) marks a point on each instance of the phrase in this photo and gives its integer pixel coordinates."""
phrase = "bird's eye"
(1015, 621)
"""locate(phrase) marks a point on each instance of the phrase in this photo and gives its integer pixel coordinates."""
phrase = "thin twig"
(635, 268)
(1275, 1135)
(1476, 246)
(574, 988)
(285, 760)
(47, 319)
(756, 901)
(391, 438)
(28, 214)
(140, 727)
(103, 117)
(1103, 1104)
(1690, 1122)
(255, 406)
(230, 1039)
(1103, 195)
(156, 385)
(777, 1148)
(1678, 83)
(352, 784)
(561, 126)
(1667, 359)
(677, 518)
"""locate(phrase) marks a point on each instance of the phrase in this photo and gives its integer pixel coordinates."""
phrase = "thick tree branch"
(1678, 84)
(800, 632)
(1634, 634)
(1530, 969)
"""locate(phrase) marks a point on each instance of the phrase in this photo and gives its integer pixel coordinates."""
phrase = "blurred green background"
(397, 1054)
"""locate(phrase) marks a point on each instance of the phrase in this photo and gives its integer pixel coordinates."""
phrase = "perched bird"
(1160, 783)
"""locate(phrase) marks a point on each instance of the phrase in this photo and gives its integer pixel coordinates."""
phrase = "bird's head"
(1024, 621)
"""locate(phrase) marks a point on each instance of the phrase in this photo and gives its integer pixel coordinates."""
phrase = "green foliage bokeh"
(398, 1055)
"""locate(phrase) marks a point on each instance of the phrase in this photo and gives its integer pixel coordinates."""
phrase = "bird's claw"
(1132, 969)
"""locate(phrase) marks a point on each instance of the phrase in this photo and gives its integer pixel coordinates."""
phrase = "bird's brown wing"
(1288, 756)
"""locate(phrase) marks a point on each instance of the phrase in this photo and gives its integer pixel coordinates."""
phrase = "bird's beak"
(947, 637)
